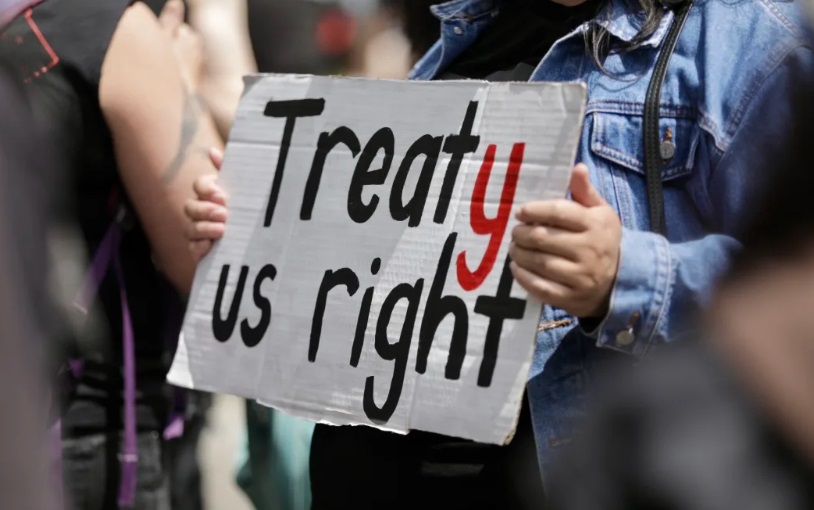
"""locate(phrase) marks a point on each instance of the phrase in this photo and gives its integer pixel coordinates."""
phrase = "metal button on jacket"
(667, 147)
(625, 337)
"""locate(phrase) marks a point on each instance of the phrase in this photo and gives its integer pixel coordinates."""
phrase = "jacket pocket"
(619, 138)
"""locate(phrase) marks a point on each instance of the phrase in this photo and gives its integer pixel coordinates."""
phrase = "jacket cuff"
(639, 297)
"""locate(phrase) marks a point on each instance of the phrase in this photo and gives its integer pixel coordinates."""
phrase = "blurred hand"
(566, 252)
(186, 44)
(207, 211)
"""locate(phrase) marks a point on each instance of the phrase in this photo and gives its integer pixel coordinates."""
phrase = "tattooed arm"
(161, 135)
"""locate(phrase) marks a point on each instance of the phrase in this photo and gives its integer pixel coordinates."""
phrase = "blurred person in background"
(106, 88)
(618, 276)
(301, 36)
(382, 50)
(723, 420)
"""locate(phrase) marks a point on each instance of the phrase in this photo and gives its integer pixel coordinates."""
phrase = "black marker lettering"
(253, 335)
(498, 308)
(430, 147)
(437, 309)
(362, 176)
(332, 279)
(364, 313)
(398, 352)
(327, 143)
(457, 145)
(291, 111)
(222, 329)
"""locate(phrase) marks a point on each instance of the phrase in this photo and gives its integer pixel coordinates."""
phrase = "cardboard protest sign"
(363, 277)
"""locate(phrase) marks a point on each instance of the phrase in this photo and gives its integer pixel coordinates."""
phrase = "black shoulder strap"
(653, 155)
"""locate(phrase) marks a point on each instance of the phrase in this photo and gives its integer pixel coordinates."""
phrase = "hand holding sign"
(364, 274)
(566, 253)
(207, 211)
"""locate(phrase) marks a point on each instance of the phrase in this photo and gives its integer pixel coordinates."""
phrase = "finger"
(563, 213)
(201, 210)
(206, 188)
(550, 267)
(172, 16)
(199, 249)
(190, 36)
(582, 190)
(202, 230)
(555, 241)
(216, 157)
(548, 292)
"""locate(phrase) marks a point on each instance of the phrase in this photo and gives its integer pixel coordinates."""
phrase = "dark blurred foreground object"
(725, 421)
(681, 434)
(26, 482)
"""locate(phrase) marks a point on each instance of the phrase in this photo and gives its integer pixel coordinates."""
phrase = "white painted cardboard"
(547, 118)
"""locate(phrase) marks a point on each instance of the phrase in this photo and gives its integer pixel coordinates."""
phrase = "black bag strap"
(656, 152)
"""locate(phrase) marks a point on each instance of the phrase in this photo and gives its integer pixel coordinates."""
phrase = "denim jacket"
(722, 104)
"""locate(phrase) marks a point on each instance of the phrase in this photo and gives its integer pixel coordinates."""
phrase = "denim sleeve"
(659, 283)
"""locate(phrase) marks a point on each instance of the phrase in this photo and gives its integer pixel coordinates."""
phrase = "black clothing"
(91, 472)
(365, 468)
(521, 35)
(58, 52)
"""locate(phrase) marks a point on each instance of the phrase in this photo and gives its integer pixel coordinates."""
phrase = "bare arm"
(223, 28)
(161, 135)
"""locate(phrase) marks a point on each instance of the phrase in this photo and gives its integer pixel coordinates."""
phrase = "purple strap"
(175, 428)
(77, 367)
(98, 268)
(106, 255)
(129, 454)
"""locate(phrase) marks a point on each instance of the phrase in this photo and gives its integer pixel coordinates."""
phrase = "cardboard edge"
(249, 81)
(583, 106)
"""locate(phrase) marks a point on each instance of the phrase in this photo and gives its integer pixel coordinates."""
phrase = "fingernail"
(218, 214)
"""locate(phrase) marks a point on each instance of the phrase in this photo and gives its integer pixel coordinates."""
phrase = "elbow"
(179, 272)
(183, 282)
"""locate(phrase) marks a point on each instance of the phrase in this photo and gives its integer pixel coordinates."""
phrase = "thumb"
(172, 16)
(582, 191)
